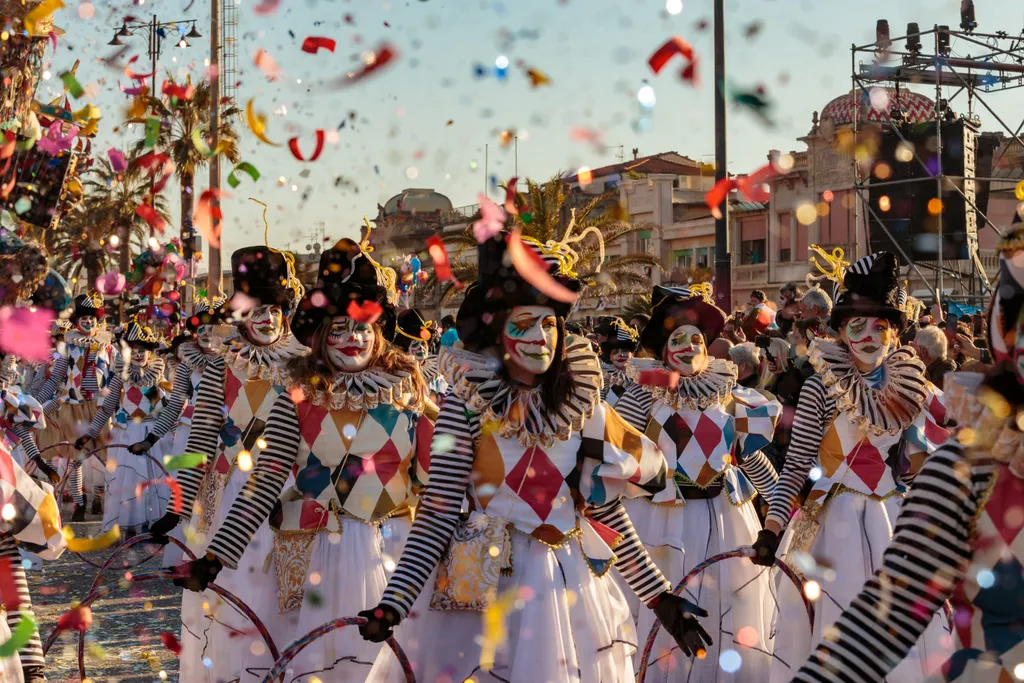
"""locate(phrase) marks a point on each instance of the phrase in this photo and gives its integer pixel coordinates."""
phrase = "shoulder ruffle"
(193, 357)
(695, 392)
(263, 362)
(360, 390)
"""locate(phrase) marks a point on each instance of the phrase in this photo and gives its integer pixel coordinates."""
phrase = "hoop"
(743, 552)
(300, 644)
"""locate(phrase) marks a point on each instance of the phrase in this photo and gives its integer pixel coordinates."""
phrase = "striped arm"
(108, 407)
(635, 407)
(31, 653)
(928, 557)
(207, 420)
(761, 472)
(633, 562)
(808, 429)
(168, 417)
(58, 375)
(263, 489)
(27, 440)
(438, 511)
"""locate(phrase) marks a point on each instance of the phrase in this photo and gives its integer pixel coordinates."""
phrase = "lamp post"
(723, 257)
(156, 33)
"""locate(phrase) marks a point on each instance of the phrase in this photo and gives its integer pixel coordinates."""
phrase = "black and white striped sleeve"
(632, 560)
(635, 407)
(927, 559)
(204, 435)
(172, 411)
(263, 489)
(451, 460)
(808, 429)
(27, 440)
(761, 472)
(58, 375)
(111, 402)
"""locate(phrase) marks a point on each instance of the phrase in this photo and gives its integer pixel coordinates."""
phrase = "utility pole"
(723, 257)
(214, 279)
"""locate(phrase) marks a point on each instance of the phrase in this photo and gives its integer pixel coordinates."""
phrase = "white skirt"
(855, 532)
(125, 472)
(571, 626)
(10, 667)
(736, 593)
(175, 442)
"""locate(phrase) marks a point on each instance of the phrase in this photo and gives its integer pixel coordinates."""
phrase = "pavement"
(124, 642)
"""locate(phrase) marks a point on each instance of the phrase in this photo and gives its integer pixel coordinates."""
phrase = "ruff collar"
(362, 390)
(519, 412)
(982, 432)
(430, 369)
(145, 377)
(613, 377)
(101, 339)
(889, 409)
(193, 357)
(8, 371)
(263, 362)
(695, 392)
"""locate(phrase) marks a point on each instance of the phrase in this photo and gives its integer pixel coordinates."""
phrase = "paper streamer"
(492, 219)
(200, 144)
(382, 56)
(153, 164)
(180, 92)
(244, 167)
(669, 49)
(208, 216)
(72, 84)
(266, 7)
(171, 642)
(10, 142)
(137, 90)
(152, 132)
(75, 619)
(131, 74)
(257, 124)
(21, 635)
(367, 312)
(117, 162)
(293, 145)
(265, 63)
(183, 462)
(313, 44)
(8, 589)
(25, 332)
(150, 215)
(534, 270)
(84, 545)
(439, 255)
(177, 501)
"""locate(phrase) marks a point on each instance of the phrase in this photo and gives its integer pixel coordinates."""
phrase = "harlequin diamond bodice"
(86, 368)
(139, 404)
(351, 461)
(989, 603)
(248, 403)
(875, 464)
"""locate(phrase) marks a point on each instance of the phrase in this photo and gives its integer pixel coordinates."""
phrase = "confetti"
(382, 56)
(135, 76)
(110, 284)
(495, 631)
(176, 499)
(134, 92)
(367, 312)
(180, 92)
(22, 632)
(244, 167)
(55, 142)
(533, 269)
(171, 642)
(11, 142)
(293, 145)
(154, 163)
(266, 7)
(75, 619)
(439, 255)
(492, 219)
(8, 588)
(25, 332)
(151, 216)
(313, 44)
(84, 545)
(265, 63)
(72, 84)
(672, 47)
(117, 162)
(257, 124)
(201, 145)
(537, 77)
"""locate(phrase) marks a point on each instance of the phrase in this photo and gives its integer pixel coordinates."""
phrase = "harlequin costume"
(711, 431)
(617, 381)
(867, 435)
(351, 438)
(410, 328)
(232, 411)
(959, 536)
(71, 395)
(543, 485)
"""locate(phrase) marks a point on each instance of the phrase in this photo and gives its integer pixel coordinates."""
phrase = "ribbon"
(150, 215)
(257, 124)
(383, 55)
(534, 270)
(154, 163)
(203, 148)
(244, 167)
(208, 216)
(183, 462)
(293, 145)
(84, 545)
(314, 43)
(22, 632)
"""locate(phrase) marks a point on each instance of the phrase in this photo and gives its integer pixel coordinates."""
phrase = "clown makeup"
(529, 339)
(870, 341)
(87, 324)
(264, 325)
(685, 351)
(620, 358)
(140, 356)
(419, 350)
(205, 336)
(350, 344)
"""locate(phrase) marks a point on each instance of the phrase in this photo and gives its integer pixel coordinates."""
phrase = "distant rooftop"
(664, 162)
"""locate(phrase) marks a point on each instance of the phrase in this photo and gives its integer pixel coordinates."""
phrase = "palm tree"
(638, 305)
(545, 213)
(79, 246)
(182, 121)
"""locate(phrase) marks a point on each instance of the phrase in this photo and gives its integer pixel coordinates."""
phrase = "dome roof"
(417, 201)
(875, 108)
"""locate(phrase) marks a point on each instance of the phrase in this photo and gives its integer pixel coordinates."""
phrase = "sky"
(425, 120)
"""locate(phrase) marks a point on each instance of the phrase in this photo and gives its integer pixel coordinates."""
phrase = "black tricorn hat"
(267, 275)
(673, 307)
(206, 312)
(88, 304)
(347, 275)
(619, 336)
(871, 289)
(138, 335)
(411, 327)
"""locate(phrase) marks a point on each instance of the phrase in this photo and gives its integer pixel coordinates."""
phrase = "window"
(752, 252)
(644, 242)
(785, 247)
(753, 244)
(682, 258)
(704, 254)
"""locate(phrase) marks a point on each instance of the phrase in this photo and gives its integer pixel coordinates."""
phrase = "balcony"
(744, 276)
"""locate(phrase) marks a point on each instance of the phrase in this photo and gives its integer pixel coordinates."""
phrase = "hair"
(314, 369)
(644, 319)
(792, 288)
(933, 340)
(448, 322)
(747, 354)
(720, 348)
(817, 298)
(779, 348)
(759, 295)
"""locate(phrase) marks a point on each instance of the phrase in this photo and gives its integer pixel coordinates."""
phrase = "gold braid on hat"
(619, 325)
(702, 290)
(836, 270)
(386, 276)
(424, 325)
(292, 283)
(562, 250)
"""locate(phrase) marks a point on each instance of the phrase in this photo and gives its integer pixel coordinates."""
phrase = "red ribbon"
(131, 74)
(314, 43)
(672, 47)
(154, 163)
(293, 145)
(154, 219)
(438, 254)
(384, 54)
(181, 92)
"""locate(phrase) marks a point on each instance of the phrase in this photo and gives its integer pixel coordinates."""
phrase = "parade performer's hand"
(198, 574)
(164, 526)
(80, 442)
(45, 469)
(380, 623)
(679, 617)
(140, 447)
(765, 547)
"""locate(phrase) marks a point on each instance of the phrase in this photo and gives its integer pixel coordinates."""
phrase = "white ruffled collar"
(887, 410)
(519, 412)
(263, 362)
(145, 377)
(363, 390)
(100, 339)
(192, 356)
(695, 392)
(613, 377)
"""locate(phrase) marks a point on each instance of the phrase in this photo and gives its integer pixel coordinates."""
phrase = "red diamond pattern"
(1004, 506)
(708, 435)
(867, 463)
(678, 431)
(385, 462)
(135, 396)
(537, 481)
(311, 421)
(232, 386)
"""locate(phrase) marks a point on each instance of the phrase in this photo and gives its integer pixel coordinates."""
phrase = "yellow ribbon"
(257, 124)
(84, 545)
(837, 264)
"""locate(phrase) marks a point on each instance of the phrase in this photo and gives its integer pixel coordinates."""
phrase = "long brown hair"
(316, 371)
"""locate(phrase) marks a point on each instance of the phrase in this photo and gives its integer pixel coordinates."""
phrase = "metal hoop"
(299, 645)
(715, 559)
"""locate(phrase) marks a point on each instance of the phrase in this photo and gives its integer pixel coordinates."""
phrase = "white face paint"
(205, 337)
(530, 338)
(350, 344)
(419, 350)
(264, 325)
(620, 358)
(870, 341)
(140, 357)
(685, 351)
(87, 324)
